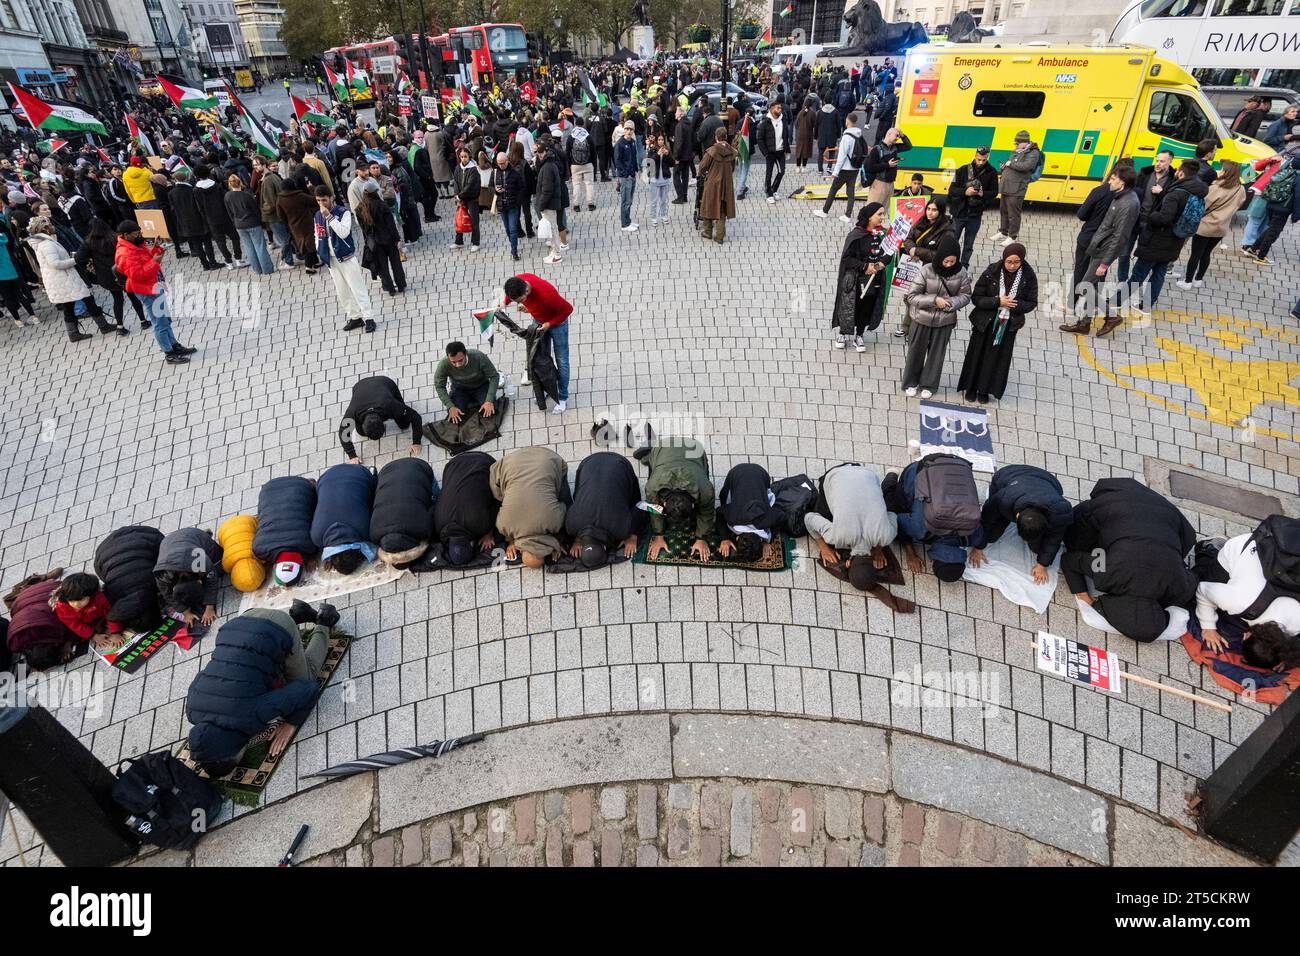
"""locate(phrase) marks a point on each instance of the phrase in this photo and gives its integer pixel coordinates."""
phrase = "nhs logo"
(1067, 77)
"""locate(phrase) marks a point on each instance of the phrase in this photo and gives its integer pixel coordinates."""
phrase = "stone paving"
(730, 343)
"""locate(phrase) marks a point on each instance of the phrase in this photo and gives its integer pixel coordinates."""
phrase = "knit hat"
(288, 568)
(127, 226)
(137, 161)
(1022, 136)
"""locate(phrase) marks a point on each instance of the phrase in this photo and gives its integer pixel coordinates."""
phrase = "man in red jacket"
(141, 263)
(539, 299)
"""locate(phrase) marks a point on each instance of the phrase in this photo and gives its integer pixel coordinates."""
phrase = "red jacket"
(544, 304)
(142, 266)
(89, 619)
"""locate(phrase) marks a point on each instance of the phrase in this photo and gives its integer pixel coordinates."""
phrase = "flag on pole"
(134, 129)
(103, 156)
(305, 114)
(789, 9)
(589, 92)
(403, 84)
(529, 91)
(318, 106)
(262, 144)
(219, 133)
(487, 328)
(357, 79)
(469, 102)
(337, 86)
(764, 40)
(52, 146)
(742, 140)
(184, 96)
(55, 116)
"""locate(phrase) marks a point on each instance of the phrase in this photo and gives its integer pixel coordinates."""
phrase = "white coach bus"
(1220, 42)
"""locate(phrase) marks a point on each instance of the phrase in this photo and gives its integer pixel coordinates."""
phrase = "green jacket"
(477, 370)
(682, 468)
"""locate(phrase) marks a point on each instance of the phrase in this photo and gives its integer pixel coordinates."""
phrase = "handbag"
(463, 222)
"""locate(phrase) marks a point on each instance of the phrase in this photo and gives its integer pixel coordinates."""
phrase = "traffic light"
(534, 47)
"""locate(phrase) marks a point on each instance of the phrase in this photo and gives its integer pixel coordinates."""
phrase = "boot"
(706, 228)
(1110, 325)
(74, 332)
(720, 232)
(1082, 327)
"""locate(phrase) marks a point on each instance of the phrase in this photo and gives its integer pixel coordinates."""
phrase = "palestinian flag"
(51, 146)
(487, 328)
(134, 129)
(589, 92)
(357, 79)
(339, 88)
(651, 507)
(55, 116)
(469, 103)
(764, 40)
(403, 84)
(104, 157)
(742, 140)
(789, 9)
(257, 132)
(319, 107)
(184, 96)
(220, 133)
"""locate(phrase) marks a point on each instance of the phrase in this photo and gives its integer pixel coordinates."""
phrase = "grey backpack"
(947, 486)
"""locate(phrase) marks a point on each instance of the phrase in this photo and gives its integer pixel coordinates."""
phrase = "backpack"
(795, 498)
(1037, 174)
(1277, 543)
(1190, 218)
(581, 151)
(859, 155)
(167, 803)
(1279, 188)
(946, 484)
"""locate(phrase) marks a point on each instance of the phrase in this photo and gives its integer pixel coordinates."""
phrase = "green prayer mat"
(679, 552)
(244, 784)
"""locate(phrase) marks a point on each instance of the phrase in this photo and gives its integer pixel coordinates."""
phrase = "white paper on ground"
(1007, 571)
(320, 585)
(1178, 618)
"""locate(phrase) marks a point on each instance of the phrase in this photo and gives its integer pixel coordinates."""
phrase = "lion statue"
(964, 29)
(870, 35)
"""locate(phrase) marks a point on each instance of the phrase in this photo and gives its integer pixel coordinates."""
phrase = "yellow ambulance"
(1084, 106)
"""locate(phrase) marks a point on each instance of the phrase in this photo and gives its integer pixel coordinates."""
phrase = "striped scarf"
(1004, 314)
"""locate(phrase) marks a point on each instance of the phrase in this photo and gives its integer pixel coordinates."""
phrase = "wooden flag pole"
(1165, 689)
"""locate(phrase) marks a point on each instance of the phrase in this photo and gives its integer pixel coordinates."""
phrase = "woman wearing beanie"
(59, 275)
(941, 291)
(860, 287)
(1005, 293)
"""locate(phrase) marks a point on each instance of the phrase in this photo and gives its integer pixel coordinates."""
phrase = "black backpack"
(167, 803)
(946, 484)
(859, 155)
(795, 497)
(1277, 542)
(582, 151)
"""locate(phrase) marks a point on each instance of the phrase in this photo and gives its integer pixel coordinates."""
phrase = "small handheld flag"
(764, 40)
(487, 325)
(652, 508)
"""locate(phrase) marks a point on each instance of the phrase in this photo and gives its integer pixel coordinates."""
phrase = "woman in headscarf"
(933, 226)
(941, 291)
(860, 283)
(1004, 295)
(805, 133)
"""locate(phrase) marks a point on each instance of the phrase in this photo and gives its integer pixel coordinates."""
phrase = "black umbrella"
(394, 757)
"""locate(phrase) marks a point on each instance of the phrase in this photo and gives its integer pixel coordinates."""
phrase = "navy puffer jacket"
(402, 518)
(284, 511)
(235, 697)
(189, 551)
(344, 495)
(124, 562)
(1016, 487)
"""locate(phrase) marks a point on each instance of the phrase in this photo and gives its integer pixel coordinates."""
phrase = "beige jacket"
(533, 487)
(1220, 204)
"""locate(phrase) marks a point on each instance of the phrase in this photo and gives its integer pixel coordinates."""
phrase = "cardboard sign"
(430, 106)
(155, 162)
(913, 207)
(153, 225)
(137, 650)
(1078, 662)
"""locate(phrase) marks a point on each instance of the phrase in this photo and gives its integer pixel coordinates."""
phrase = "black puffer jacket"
(1157, 242)
(190, 223)
(284, 510)
(402, 517)
(1016, 487)
(551, 192)
(212, 201)
(344, 496)
(466, 507)
(124, 562)
(188, 551)
(235, 697)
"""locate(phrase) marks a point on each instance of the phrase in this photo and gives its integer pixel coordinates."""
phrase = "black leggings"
(12, 297)
(220, 234)
(119, 294)
(1198, 261)
(386, 262)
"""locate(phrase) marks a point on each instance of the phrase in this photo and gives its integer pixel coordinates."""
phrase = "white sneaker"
(1008, 240)
(285, 266)
(1197, 283)
(473, 248)
(819, 214)
(564, 247)
(999, 237)
(839, 342)
(559, 408)
(898, 331)
(771, 199)
(910, 392)
(844, 218)
(553, 258)
(631, 227)
(1183, 284)
(455, 245)
(926, 393)
(860, 345)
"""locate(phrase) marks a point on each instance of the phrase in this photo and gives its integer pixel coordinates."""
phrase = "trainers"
(771, 199)
(844, 218)
(311, 270)
(370, 325)
(173, 359)
(577, 209)
(473, 248)
(559, 408)
(553, 258)
(1183, 284)
(564, 247)
(18, 322)
(999, 236)
(898, 331)
(183, 349)
(631, 227)
(592, 205)
(1197, 283)
(1008, 240)
(285, 265)
(211, 266)
(820, 214)
(33, 320)
(352, 325)
(455, 245)
(839, 341)
(1262, 260)
(858, 344)
(910, 391)
(926, 393)
(145, 324)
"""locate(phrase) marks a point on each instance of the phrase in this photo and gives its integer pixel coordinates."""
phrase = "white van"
(803, 54)
(218, 88)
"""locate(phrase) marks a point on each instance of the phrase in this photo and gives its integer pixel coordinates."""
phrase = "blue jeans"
(560, 350)
(259, 257)
(967, 229)
(627, 189)
(1156, 270)
(1254, 229)
(468, 399)
(510, 218)
(281, 233)
(1125, 252)
(744, 177)
(156, 311)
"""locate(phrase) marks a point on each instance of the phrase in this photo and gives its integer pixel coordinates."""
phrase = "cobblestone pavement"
(731, 343)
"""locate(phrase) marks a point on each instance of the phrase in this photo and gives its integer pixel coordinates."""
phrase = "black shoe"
(182, 255)
(310, 271)
(530, 235)
(591, 206)
(303, 613)
(514, 256)
(353, 324)
(107, 329)
(179, 349)
(78, 336)
(175, 359)
(121, 330)
(679, 202)
(209, 267)
(743, 193)
(434, 219)
(370, 325)
(579, 208)
(327, 615)
(146, 324)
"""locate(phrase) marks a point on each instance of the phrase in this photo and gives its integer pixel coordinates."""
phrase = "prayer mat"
(319, 584)
(679, 552)
(472, 430)
(958, 430)
(891, 573)
(244, 784)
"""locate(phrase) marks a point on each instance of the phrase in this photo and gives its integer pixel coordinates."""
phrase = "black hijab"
(947, 246)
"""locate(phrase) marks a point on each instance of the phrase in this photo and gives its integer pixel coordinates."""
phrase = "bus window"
(1178, 117)
(1009, 103)
(1248, 8)
(1173, 8)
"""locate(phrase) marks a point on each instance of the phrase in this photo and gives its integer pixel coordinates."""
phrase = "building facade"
(159, 37)
(44, 48)
(260, 20)
(218, 36)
